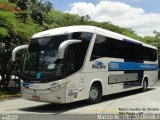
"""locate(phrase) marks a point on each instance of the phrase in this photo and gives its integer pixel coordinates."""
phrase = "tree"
(157, 43)
(21, 9)
(157, 34)
(58, 19)
(35, 9)
(12, 33)
(39, 10)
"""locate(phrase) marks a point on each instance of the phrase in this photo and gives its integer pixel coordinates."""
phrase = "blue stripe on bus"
(113, 66)
(26, 83)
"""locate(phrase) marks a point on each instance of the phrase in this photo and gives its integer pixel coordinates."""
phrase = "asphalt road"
(132, 102)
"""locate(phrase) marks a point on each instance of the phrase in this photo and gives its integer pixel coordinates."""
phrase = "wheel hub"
(93, 94)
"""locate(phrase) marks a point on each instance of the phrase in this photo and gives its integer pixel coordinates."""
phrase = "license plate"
(35, 98)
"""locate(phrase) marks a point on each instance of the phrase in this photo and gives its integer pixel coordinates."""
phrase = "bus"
(74, 63)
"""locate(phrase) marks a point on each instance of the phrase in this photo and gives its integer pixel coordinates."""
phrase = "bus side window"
(99, 48)
(75, 57)
(70, 66)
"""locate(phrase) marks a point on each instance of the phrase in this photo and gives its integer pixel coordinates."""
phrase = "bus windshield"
(42, 58)
(41, 63)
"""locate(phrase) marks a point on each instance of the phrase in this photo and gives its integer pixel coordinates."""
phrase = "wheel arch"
(96, 81)
(95, 85)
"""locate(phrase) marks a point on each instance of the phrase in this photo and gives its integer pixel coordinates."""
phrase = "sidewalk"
(158, 83)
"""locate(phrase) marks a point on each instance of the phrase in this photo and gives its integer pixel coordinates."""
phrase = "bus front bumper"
(51, 95)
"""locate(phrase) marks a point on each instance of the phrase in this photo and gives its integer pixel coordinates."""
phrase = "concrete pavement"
(132, 102)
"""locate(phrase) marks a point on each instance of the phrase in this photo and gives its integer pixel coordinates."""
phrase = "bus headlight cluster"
(57, 87)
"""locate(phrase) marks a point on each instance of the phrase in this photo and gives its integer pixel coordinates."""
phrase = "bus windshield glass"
(41, 63)
(42, 58)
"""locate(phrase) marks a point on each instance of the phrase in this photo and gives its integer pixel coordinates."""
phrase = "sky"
(143, 16)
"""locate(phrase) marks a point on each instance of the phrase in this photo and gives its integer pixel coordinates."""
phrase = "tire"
(95, 94)
(144, 86)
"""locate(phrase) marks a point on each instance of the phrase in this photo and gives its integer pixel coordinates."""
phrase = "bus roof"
(85, 28)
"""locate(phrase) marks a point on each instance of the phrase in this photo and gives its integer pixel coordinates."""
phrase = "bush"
(1, 93)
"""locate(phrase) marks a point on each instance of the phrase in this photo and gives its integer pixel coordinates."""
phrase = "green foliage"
(39, 10)
(10, 26)
(1, 93)
(13, 32)
(3, 32)
(6, 6)
(58, 19)
(36, 9)
(157, 34)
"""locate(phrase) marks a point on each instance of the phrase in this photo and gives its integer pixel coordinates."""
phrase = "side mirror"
(63, 46)
(15, 50)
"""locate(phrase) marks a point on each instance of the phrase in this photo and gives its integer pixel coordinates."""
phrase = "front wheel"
(95, 94)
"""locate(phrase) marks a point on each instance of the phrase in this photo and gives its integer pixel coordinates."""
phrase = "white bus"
(74, 63)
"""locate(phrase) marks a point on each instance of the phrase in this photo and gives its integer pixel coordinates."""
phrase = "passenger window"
(99, 48)
(110, 47)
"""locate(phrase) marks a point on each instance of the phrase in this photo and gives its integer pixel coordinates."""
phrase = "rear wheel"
(145, 85)
(95, 94)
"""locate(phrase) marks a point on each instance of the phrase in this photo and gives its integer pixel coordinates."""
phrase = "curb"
(7, 96)
(16, 95)
(3, 96)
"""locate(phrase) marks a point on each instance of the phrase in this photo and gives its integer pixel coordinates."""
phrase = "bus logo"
(98, 65)
(113, 66)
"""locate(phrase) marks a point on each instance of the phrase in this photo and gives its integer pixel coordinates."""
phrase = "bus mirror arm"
(15, 50)
(63, 46)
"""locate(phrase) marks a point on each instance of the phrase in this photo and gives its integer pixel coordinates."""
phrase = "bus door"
(75, 79)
